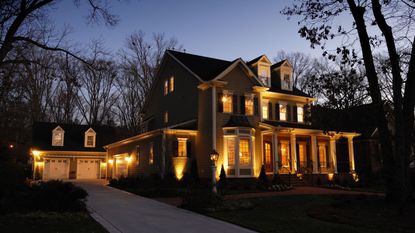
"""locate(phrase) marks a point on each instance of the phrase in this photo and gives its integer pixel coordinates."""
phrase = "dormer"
(262, 66)
(90, 138)
(285, 73)
(58, 136)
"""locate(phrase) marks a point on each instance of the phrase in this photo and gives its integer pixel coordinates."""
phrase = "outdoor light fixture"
(110, 161)
(11, 146)
(127, 159)
(224, 99)
(36, 153)
(214, 157)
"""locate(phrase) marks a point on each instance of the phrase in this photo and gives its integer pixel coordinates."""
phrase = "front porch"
(306, 151)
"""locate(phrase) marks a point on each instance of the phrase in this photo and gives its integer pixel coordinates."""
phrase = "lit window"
(302, 154)
(227, 103)
(322, 155)
(182, 147)
(300, 114)
(137, 151)
(90, 140)
(244, 155)
(166, 117)
(264, 75)
(283, 112)
(57, 136)
(249, 105)
(265, 109)
(171, 84)
(151, 154)
(231, 151)
(285, 154)
(166, 87)
(286, 82)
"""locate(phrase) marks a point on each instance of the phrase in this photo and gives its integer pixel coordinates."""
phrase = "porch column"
(351, 153)
(333, 155)
(293, 152)
(275, 150)
(314, 153)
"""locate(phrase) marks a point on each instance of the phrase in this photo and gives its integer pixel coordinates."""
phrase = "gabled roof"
(74, 137)
(206, 68)
(255, 60)
(278, 64)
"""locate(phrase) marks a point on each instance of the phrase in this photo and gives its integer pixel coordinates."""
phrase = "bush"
(263, 176)
(222, 179)
(56, 195)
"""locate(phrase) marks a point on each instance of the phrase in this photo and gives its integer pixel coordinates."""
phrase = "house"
(69, 151)
(249, 112)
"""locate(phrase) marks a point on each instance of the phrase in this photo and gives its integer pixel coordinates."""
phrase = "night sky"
(224, 29)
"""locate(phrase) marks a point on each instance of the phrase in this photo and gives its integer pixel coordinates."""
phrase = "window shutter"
(269, 110)
(242, 104)
(307, 156)
(289, 112)
(307, 113)
(175, 148)
(277, 111)
(220, 103)
(295, 116)
(256, 107)
(235, 104)
(188, 148)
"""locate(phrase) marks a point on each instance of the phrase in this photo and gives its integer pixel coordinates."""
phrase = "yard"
(321, 213)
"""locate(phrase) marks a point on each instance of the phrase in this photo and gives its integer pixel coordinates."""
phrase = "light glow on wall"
(330, 176)
(127, 159)
(179, 166)
(110, 161)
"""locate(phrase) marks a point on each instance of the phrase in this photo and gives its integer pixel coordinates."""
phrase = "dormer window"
(90, 138)
(264, 75)
(58, 136)
(286, 82)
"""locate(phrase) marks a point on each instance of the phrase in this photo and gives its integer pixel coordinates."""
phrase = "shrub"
(56, 195)
(263, 176)
(222, 179)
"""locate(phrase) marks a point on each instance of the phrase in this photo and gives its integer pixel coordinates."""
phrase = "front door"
(268, 157)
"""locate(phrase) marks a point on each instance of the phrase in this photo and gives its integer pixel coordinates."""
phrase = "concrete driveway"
(120, 211)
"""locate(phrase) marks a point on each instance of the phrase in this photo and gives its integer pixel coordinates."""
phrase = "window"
(249, 105)
(166, 87)
(300, 114)
(244, 152)
(265, 109)
(231, 151)
(283, 112)
(286, 82)
(227, 102)
(57, 136)
(171, 88)
(89, 138)
(137, 152)
(264, 75)
(166, 117)
(182, 147)
(151, 154)
(322, 156)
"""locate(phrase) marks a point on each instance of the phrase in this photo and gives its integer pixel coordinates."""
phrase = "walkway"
(119, 211)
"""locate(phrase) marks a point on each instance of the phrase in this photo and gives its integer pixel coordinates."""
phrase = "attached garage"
(88, 169)
(56, 168)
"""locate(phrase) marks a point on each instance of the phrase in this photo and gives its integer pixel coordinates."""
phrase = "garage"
(56, 168)
(87, 169)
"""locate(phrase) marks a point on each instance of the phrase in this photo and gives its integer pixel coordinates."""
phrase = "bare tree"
(302, 65)
(139, 63)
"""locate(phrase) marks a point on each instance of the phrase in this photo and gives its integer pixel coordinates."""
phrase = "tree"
(301, 63)
(393, 19)
(139, 64)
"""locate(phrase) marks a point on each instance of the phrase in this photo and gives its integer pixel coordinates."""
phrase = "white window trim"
(265, 104)
(290, 86)
(55, 131)
(298, 107)
(90, 132)
(250, 96)
(286, 110)
(183, 140)
(229, 95)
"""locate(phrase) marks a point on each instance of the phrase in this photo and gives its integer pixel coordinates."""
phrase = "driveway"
(120, 211)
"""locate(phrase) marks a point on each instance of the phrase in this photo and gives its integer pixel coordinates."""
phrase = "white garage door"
(87, 169)
(56, 168)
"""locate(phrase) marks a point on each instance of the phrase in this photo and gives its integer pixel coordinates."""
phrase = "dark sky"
(224, 29)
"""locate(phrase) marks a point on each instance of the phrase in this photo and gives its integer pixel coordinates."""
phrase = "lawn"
(320, 214)
(78, 222)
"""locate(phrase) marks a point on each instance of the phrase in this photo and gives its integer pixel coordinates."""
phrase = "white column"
(351, 153)
(293, 152)
(333, 155)
(314, 153)
(275, 150)
(260, 105)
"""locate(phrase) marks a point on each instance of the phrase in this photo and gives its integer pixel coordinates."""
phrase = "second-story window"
(283, 112)
(265, 109)
(166, 87)
(171, 87)
(249, 105)
(300, 114)
(227, 102)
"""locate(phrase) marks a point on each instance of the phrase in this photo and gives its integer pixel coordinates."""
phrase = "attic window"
(90, 138)
(286, 82)
(264, 74)
(58, 136)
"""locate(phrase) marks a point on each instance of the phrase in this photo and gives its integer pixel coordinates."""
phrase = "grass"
(320, 214)
(46, 222)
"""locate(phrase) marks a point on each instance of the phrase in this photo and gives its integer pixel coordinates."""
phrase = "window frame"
(283, 116)
(298, 114)
(171, 84)
(249, 98)
(183, 142)
(284, 84)
(166, 87)
(151, 154)
(90, 133)
(264, 107)
(227, 99)
(58, 131)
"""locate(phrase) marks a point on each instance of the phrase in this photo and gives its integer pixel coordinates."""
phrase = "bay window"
(239, 151)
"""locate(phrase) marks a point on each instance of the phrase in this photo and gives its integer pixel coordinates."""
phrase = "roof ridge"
(196, 55)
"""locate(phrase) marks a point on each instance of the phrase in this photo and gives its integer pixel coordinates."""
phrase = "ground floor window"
(285, 153)
(238, 155)
(322, 155)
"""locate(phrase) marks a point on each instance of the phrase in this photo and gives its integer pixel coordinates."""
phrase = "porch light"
(11, 146)
(110, 161)
(355, 177)
(36, 153)
(224, 99)
(214, 156)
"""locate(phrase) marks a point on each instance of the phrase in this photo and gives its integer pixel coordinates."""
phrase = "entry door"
(268, 161)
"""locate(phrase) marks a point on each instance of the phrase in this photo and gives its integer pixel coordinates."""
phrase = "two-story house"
(249, 112)
(69, 151)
